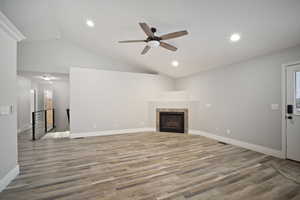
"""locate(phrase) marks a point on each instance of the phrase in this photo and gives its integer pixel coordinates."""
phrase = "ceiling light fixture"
(175, 63)
(47, 77)
(90, 23)
(235, 37)
(153, 43)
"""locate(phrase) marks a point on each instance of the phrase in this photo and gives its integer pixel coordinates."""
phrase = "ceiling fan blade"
(173, 35)
(131, 41)
(145, 50)
(168, 46)
(147, 29)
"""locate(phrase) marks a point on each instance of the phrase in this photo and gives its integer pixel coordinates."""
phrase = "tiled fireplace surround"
(174, 101)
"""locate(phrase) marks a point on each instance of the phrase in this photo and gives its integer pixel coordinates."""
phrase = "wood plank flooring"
(147, 166)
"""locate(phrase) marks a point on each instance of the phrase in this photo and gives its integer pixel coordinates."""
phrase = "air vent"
(222, 143)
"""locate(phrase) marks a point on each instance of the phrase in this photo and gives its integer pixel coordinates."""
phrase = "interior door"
(293, 112)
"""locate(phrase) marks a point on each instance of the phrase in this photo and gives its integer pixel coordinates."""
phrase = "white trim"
(283, 110)
(11, 175)
(254, 147)
(9, 28)
(25, 128)
(110, 132)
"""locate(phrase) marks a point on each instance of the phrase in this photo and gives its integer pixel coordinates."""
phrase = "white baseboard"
(110, 132)
(25, 128)
(11, 175)
(254, 147)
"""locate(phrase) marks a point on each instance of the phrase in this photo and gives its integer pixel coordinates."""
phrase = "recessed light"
(235, 37)
(175, 63)
(90, 23)
(47, 78)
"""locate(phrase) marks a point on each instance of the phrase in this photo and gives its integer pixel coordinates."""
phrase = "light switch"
(275, 106)
(6, 110)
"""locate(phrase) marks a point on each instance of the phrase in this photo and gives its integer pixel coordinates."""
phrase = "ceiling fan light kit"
(155, 41)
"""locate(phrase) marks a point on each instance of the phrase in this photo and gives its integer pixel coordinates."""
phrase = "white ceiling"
(265, 26)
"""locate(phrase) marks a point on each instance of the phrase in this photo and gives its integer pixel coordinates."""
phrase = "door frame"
(33, 91)
(283, 106)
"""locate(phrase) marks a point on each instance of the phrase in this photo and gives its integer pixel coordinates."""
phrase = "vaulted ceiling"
(265, 26)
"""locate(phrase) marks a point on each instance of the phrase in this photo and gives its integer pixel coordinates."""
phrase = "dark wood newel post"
(45, 121)
(33, 126)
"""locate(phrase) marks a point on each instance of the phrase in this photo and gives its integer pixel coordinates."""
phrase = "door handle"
(289, 117)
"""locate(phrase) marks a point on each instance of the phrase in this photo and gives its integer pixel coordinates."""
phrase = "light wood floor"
(147, 166)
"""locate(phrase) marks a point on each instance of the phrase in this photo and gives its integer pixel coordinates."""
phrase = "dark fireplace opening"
(171, 122)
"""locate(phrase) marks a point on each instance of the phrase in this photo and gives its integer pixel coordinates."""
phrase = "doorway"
(291, 114)
(48, 106)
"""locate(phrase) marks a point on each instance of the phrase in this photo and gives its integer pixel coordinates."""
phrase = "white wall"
(9, 36)
(61, 98)
(58, 55)
(8, 88)
(106, 100)
(240, 96)
(23, 103)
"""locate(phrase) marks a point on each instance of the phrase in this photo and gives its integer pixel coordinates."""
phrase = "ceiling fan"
(155, 41)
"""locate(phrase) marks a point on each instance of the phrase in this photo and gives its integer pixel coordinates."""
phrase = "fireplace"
(172, 120)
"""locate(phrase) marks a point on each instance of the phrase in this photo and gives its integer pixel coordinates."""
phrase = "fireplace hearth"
(172, 120)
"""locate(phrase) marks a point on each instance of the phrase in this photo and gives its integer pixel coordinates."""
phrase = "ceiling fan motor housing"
(153, 30)
(154, 38)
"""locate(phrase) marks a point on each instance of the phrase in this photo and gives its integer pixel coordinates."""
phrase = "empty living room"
(149, 100)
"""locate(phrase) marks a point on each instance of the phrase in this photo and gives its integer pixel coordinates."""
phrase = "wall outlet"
(94, 125)
(228, 131)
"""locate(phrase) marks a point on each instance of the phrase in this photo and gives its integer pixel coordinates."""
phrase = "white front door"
(293, 112)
